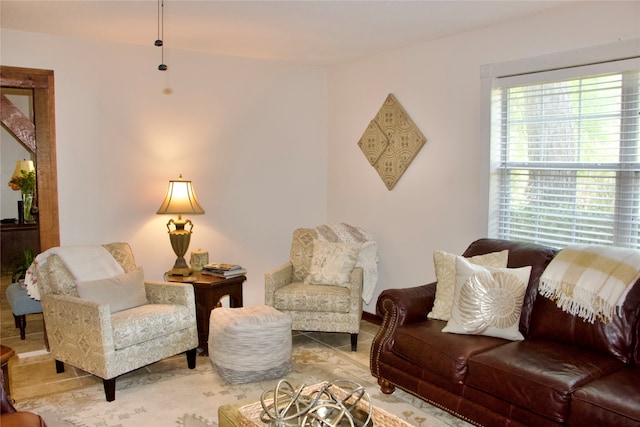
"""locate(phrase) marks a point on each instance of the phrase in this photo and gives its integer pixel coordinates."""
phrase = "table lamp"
(180, 199)
(23, 165)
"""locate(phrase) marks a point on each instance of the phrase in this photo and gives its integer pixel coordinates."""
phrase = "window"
(565, 156)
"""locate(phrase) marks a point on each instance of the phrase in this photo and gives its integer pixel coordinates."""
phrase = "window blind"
(566, 156)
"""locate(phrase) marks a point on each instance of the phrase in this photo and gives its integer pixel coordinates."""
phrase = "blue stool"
(21, 305)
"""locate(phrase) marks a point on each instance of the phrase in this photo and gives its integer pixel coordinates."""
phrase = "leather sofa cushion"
(445, 355)
(520, 255)
(539, 375)
(615, 337)
(610, 400)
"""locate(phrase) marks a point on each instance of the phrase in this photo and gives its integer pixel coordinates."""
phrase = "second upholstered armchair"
(115, 324)
(321, 286)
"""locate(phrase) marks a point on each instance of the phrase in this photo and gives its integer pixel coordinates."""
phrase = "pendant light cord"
(159, 41)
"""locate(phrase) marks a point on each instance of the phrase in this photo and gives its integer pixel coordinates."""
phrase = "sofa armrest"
(170, 293)
(275, 279)
(355, 286)
(398, 307)
(406, 305)
(356, 279)
(72, 322)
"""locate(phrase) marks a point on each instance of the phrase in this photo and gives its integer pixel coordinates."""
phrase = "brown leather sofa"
(565, 372)
(10, 417)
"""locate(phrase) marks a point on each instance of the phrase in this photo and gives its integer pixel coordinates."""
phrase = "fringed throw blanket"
(591, 281)
(367, 258)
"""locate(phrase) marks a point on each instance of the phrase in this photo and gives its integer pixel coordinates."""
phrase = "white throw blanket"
(591, 281)
(367, 257)
(83, 262)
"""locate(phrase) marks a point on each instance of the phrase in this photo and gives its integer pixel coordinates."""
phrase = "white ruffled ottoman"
(248, 344)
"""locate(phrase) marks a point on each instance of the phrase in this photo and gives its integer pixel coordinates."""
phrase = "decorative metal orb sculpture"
(340, 403)
(286, 407)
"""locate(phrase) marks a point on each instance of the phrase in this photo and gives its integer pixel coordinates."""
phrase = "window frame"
(561, 65)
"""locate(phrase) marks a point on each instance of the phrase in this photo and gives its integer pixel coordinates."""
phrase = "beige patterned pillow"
(332, 263)
(301, 252)
(61, 281)
(488, 301)
(445, 266)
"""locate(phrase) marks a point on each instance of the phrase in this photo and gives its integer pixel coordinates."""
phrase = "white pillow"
(332, 263)
(120, 292)
(488, 300)
(445, 266)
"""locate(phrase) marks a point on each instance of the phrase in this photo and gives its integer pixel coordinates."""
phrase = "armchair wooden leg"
(191, 358)
(59, 367)
(109, 389)
(354, 342)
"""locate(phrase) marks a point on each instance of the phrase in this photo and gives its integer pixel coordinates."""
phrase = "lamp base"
(180, 239)
(179, 271)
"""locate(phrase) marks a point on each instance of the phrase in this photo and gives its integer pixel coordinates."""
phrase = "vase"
(27, 203)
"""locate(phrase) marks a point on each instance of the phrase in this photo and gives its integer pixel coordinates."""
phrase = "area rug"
(172, 395)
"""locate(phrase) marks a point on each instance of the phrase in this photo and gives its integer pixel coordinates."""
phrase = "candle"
(199, 259)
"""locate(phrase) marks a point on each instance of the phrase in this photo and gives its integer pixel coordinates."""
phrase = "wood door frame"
(42, 84)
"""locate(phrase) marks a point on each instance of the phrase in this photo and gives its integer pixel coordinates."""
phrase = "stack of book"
(224, 270)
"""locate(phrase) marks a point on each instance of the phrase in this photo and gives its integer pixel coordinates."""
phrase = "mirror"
(12, 151)
(28, 116)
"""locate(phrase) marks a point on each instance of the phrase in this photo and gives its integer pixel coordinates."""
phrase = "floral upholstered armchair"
(102, 317)
(321, 287)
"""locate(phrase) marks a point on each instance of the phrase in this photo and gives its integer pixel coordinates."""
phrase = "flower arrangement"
(25, 182)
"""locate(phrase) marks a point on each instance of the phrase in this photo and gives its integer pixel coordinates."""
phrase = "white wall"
(441, 200)
(251, 135)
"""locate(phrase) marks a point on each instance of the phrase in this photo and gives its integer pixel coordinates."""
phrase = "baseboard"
(370, 317)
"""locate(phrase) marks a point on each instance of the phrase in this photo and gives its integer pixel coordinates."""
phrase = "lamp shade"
(23, 165)
(180, 199)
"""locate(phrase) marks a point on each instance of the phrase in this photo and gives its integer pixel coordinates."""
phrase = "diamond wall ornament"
(391, 141)
(373, 142)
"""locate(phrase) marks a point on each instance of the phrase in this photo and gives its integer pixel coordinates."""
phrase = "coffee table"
(249, 415)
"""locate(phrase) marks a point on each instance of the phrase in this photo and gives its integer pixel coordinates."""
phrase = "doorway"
(34, 129)
(37, 135)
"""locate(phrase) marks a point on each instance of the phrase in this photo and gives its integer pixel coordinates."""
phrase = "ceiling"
(303, 31)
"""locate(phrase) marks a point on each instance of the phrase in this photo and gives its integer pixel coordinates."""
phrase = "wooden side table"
(209, 290)
(6, 353)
